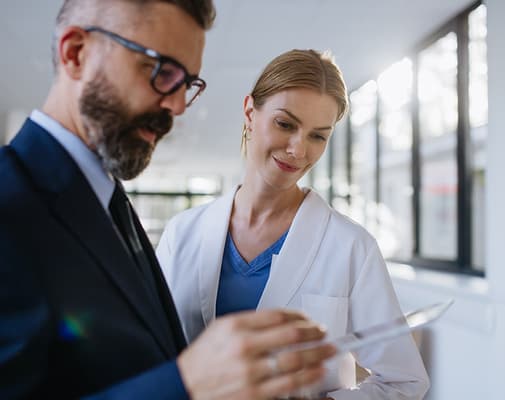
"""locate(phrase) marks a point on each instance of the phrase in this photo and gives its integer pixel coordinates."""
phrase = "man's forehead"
(169, 30)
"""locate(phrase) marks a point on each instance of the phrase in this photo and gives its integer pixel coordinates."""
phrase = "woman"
(269, 243)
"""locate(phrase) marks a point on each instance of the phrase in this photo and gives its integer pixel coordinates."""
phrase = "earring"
(246, 133)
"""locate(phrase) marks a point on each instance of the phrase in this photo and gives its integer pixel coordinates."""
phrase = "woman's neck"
(255, 205)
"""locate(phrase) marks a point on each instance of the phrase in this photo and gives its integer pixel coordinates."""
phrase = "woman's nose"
(297, 147)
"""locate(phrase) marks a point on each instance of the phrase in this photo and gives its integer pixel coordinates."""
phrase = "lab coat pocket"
(327, 310)
(332, 312)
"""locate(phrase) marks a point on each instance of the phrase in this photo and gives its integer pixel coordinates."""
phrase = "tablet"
(391, 329)
(385, 331)
(369, 336)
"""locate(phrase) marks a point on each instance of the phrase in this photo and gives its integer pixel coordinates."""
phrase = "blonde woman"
(270, 243)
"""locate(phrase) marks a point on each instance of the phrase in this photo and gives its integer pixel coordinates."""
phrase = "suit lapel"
(215, 224)
(74, 204)
(292, 264)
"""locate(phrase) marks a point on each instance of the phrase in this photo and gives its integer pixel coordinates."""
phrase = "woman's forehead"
(304, 104)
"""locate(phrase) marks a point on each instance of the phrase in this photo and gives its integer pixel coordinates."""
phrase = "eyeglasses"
(168, 74)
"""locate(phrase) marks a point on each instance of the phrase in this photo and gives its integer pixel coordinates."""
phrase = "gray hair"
(94, 12)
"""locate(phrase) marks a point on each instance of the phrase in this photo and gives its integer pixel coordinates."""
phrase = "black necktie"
(122, 214)
(125, 220)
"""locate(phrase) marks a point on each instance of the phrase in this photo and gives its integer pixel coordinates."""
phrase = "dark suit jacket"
(77, 317)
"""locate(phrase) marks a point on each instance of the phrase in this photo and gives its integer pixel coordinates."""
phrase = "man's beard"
(114, 132)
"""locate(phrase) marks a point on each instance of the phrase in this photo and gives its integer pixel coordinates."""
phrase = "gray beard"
(113, 132)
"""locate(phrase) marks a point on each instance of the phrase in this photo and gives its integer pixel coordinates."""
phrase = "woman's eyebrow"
(322, 128)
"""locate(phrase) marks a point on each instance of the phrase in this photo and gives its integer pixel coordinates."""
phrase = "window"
(477, 88)
(363, 119)
(438, 123)
(395, 147)
(157, 196)
(339, 167)
(413, 172)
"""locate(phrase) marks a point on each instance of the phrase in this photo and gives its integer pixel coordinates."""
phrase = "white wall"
(465, 351)
(15, 119)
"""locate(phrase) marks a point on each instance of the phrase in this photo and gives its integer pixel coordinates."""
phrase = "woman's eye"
(319, 137)
(283, 124)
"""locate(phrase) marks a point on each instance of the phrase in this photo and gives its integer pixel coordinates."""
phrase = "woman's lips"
(285, 167)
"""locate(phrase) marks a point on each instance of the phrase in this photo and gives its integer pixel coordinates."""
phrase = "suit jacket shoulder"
(79, 315)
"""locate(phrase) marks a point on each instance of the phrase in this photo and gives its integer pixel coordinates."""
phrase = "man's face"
(122, 116)
(115, 131)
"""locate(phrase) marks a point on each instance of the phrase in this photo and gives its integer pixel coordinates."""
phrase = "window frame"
(464, 153)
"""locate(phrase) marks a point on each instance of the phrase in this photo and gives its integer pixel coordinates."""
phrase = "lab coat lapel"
(215, 229)
(292, 264)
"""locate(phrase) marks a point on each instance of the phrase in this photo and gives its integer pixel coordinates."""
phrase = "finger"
(282, 385)
(258, 320)
(291, 361)
(277, 337)
(288, 362)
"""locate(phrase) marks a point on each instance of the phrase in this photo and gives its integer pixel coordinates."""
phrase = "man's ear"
(72, 51)
(248, 108)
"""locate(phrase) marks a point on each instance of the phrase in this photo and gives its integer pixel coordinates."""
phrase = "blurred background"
(417, 161)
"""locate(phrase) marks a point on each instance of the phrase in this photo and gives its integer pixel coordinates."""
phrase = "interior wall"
(465, 350)
(3, 130)
(496, 186)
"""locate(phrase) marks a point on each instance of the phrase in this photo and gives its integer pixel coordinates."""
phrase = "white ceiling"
(364, 35)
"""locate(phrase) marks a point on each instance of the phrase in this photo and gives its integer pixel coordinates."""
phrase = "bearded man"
(84, 308)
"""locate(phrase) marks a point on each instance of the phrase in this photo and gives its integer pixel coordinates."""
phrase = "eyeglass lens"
(170, 77)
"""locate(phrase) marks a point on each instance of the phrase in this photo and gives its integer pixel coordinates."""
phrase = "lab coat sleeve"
(164, 252)
(397, 370)
(163, 249)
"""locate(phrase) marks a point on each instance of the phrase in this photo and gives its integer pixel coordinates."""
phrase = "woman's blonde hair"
(300, 69)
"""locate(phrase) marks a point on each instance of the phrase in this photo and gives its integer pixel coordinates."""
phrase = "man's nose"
(175, 102)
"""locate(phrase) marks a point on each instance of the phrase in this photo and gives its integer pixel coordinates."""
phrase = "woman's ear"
(248, 108)
(71, 51)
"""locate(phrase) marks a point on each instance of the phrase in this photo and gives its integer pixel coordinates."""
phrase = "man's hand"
(234, 358)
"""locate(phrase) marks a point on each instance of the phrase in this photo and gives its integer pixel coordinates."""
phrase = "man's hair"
(92, 12)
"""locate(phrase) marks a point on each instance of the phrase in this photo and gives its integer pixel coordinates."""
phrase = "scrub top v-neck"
(241, 284)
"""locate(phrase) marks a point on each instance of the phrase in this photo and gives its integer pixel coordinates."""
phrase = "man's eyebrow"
(322, 128)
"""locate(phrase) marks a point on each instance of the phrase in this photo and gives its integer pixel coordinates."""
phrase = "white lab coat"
(329, 267)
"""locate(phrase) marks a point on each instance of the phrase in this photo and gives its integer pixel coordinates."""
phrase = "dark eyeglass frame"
(189, 80)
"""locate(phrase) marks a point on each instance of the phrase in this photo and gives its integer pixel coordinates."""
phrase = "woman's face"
(288, 134)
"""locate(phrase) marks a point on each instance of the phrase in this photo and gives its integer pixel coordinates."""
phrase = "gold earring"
(246, 133)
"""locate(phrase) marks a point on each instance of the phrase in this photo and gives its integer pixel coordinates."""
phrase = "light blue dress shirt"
(88, 162)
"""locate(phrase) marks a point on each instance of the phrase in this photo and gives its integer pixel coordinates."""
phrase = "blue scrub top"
(241, 284)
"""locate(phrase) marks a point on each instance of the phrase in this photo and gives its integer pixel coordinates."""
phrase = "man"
(84, 309)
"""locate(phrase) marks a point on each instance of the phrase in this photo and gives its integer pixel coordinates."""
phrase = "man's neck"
(58, 105)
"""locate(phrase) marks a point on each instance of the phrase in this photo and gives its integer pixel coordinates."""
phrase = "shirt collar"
(88, 162)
